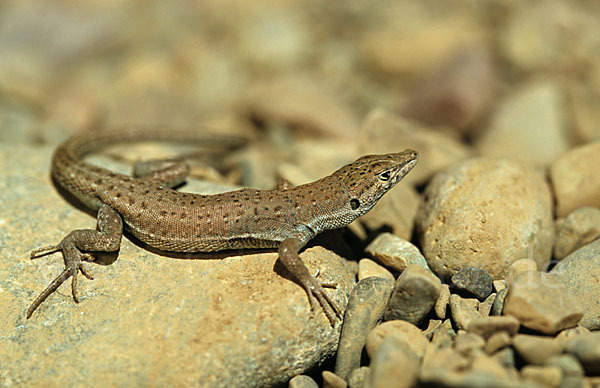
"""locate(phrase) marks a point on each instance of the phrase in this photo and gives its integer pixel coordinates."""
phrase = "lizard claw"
(314, 290)
(73, 265)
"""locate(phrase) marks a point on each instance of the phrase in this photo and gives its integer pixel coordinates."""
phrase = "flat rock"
(395, 252)
(580, 274)
(540, 303)
(536, 349)
(575, 179)
(586, 348)
(579, 228)
(415, 292)
(546, 376)
(404, 331)
(535, 112)
(485, 213)
(475, 281)
(238, 321)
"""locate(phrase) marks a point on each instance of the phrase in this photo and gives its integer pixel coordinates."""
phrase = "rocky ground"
(480, 269)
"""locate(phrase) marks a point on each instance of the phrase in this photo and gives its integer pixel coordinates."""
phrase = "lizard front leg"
(106, 239)
(288, 254)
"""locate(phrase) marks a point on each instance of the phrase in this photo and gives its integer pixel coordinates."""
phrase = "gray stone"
(540, 302)
(578, 229)
(234, 321)
(580, 274)
(498, 304)
(415, 292)
(366, 305)
(475, 281)
(568, 363)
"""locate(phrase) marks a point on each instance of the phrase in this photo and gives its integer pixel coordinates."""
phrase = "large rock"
(485, 213)
(239, 321)
(580, 274)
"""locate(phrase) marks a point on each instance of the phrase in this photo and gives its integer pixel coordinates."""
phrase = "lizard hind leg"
(107, 239)
(288, 254)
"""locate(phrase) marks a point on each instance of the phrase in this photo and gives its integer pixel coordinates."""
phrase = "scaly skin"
(285, 218)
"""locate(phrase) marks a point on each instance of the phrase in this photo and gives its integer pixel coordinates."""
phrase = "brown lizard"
(285, 218)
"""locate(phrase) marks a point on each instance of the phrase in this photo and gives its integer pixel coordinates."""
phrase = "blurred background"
(509, 78)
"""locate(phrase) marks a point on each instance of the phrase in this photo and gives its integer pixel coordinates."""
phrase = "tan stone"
(518, 267)
(497, 341)
(485, 307)
(468, 344)
(540, 302)
(464, 310)
(485, 213)
(367, 268)
(536, 349)
(575, 178)
(578, 229)
(402, 330)
(487, 326)
(395, 252)
(442, 302)
(394, 364)
(547, 376)
(331, 380)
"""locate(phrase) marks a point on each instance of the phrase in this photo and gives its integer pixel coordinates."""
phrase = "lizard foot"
(73, 264)
(314, 290)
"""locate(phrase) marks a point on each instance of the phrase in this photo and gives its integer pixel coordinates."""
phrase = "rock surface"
(579, 228)
(580, 274)
(402, 330)
(485, 213)
(394, 364)
(235, 321)
(575, 179)
(368, 268)
(536, 349)
(586, 348)
(540, 302)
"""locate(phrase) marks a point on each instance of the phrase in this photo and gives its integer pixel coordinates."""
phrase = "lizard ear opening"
(354, 203)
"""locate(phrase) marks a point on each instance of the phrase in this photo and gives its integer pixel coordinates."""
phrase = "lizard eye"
(385, 176)
(354, 203)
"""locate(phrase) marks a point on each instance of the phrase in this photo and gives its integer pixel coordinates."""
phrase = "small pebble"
(443, 335)
(546, 376)
(506, 356)
(468, 343)
(475, 281)
(393, 365)
(518, 267)
(485, 307)
(302, 381)
(497, 341)
(331, 380)
(487, 326)
(367, 268)
(415, 292)
(536, 349)
(431, 327)
(463, 310)
(366, 305)
(499, 285)
(568, 363)
(568, 334)
(498, 304)
(358, 377)
(442, 302)
(540, 303)
(579, 228)
(395, 252)
(586, 348)
(402, 330)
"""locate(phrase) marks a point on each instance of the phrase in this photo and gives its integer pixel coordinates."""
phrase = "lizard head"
(371, 176)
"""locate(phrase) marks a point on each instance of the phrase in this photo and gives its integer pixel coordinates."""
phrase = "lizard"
(147, 206)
